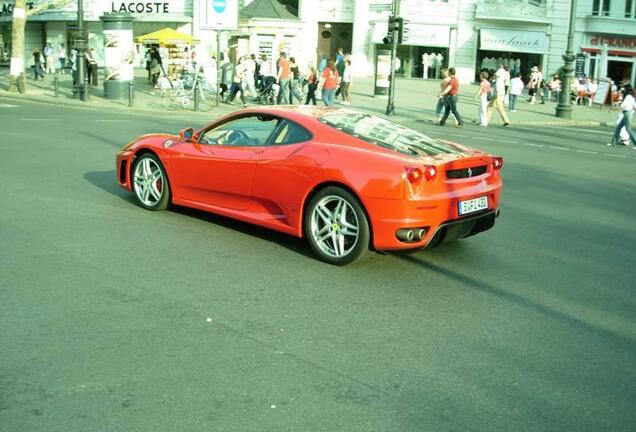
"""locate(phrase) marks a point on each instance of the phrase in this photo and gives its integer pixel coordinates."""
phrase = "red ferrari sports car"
(344, 180)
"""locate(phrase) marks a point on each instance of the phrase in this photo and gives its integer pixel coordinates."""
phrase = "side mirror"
(187, 134)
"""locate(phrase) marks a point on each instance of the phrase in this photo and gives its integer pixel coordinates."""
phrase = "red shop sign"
(618, 42)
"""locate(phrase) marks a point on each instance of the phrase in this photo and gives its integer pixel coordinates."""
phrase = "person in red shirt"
(450, 99)
(330, 79)
(283, 77)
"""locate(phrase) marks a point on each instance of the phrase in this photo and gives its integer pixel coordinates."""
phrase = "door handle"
(259, 150)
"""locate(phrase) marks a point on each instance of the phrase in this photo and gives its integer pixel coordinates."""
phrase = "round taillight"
(430, 172)
(413, 174)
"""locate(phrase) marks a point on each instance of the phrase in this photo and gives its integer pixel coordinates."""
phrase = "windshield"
(384, 133)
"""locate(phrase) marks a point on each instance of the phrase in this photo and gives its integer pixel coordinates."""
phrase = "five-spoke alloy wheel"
(150, 182)
(336, 226)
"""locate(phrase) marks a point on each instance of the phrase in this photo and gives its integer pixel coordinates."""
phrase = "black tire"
(333, 249)
(158, 195)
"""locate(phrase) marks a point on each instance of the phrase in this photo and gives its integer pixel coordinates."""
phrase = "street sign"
(221, 15)
(380, 7)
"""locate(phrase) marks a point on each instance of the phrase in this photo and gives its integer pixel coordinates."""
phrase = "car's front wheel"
(150, 183)
(336, 226)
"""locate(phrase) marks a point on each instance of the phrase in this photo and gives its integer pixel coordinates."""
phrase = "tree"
(20, 15)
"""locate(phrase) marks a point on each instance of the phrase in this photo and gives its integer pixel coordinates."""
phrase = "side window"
(245, 131)
(291, 133)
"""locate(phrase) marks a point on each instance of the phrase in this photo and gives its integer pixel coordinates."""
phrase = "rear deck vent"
(466, 172)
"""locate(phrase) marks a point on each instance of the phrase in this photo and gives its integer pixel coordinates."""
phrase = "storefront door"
(620, 70)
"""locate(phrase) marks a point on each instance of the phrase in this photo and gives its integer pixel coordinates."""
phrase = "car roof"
(297, 112)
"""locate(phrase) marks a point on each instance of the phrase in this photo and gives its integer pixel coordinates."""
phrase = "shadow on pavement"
(520, 301)
(106, 180)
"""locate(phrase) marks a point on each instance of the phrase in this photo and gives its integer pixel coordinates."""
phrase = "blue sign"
(218, 5)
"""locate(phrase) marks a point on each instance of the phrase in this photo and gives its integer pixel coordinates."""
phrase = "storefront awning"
(167, 36)
(511, 40)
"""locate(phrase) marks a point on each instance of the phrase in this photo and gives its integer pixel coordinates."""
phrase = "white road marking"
(586, 152)
(41, 119)
(615, 155)
(115, 121)
(487, 139)
(532, 145)
(559, 148)
(508, 141)
(459, 135)
(3, 105)
(576, 129)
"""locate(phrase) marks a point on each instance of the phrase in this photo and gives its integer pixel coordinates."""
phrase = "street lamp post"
(564, 108)
(81, 40)
(390, 107)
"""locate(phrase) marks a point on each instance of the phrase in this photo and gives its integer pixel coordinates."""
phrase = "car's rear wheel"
(150, 182)
(336, 226)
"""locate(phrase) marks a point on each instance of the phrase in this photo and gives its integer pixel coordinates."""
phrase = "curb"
(137, 111)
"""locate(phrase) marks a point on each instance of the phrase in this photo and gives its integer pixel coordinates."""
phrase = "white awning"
(510, 40)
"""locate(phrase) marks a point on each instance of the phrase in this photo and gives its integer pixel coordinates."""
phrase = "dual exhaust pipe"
(410, 235)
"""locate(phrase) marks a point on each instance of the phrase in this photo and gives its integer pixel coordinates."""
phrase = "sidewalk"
(415, 99)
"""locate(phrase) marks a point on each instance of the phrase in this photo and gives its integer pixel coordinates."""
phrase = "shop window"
(537, 2)
(266, 45)
(600, 7)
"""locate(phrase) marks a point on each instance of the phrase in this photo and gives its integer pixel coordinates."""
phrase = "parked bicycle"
(180, 97)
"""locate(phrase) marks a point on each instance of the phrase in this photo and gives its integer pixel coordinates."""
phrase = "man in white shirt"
(516, 88)
(49, 56)
(425, 64)
(250, 67)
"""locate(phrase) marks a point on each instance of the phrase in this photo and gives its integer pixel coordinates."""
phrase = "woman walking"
(295, 81)
(312, 84)
(38, 69)
(482, 98)
(627, 110)
(439, 108)
(238, 80)
(347, 79)
(330, 80)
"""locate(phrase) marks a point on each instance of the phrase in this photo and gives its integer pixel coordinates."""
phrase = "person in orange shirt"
(283, 77)
(329, 78)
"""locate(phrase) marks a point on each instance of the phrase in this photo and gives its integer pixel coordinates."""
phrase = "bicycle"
(179, 97)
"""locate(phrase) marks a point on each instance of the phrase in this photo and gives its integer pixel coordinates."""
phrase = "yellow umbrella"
(166, 36)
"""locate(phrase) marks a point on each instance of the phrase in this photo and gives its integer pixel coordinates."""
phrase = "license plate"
(473, 205)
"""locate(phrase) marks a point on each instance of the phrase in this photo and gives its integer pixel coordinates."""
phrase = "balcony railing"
(512, 10)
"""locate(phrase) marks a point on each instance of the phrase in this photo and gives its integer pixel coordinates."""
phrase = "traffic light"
(396, 24)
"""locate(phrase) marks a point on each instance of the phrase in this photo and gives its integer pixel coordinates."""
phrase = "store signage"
(618, 42)
(220, 14)
(140, 7)
(508, 40)
(7, 8)
(426, 35)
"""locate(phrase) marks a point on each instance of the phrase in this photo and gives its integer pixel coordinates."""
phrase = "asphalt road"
(113, 318)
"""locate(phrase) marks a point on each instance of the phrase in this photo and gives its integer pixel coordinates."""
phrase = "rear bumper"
(440, 219)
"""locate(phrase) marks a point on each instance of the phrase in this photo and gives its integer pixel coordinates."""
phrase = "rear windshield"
(386, 134)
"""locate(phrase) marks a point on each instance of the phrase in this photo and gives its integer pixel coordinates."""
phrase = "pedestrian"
(329, 80)
(49, 56)
(282, 77)
(591, 91)
(38, 69)
(497, 101)
(516, 88)
(340, 66)
(62, 58)
(257, 72)
(507, 84)
(482, 97)
(155, 67)
(627, 110)
(439, 108)
(238, 80)
(91, 66)
(73, 61)
(322, 64)
(312, 84)
(250, 74)
(227, 75)
(450, 95)
(533, 84)
(347, 80)
(294, 82)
